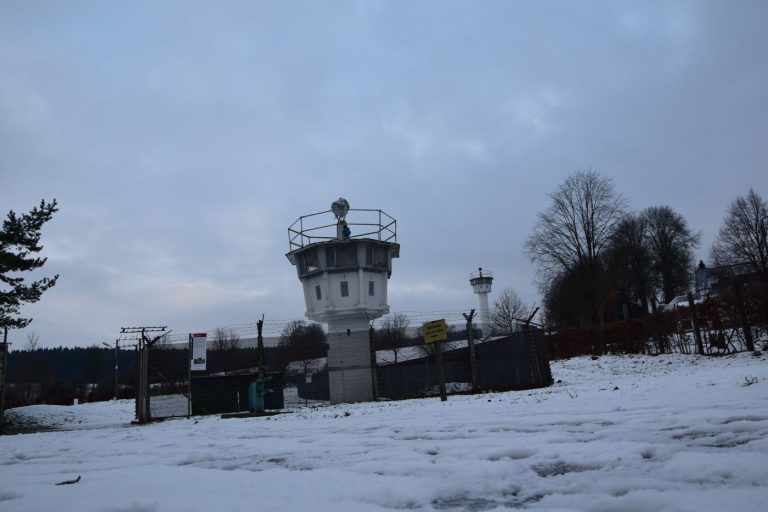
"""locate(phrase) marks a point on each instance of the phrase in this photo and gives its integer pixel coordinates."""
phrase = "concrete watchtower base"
(349, 363)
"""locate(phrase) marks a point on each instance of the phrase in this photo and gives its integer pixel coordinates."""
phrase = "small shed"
(217, 394)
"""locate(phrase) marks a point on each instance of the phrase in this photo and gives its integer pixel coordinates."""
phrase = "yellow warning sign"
(435, 331)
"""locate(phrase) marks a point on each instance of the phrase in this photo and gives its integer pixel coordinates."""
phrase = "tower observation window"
(376, 256)
(346, 255)
(380, 257)
(330, 257)
(310, 261)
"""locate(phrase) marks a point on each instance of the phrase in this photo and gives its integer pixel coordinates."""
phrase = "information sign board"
(199, 348)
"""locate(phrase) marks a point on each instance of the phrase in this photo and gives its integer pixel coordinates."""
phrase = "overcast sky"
(181, 140)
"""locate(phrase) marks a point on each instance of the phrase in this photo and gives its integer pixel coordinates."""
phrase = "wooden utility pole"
(143, 345)
(471, 344)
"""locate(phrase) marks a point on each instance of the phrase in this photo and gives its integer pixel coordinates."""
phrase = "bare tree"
(743, 237)
(671, 244)
(32, 342)
(225, 339)
(571, 235)
(507, 310)
(629, 261)
(303, 342)
(163, 343)
(392, 335)
(31, 370)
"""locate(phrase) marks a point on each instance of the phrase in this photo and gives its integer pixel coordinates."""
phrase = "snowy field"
(635, 433)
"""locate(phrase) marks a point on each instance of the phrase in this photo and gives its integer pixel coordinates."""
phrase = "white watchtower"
(344, 274)
(481, 282)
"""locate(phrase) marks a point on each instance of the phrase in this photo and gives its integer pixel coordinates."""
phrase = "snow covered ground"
(630, 433)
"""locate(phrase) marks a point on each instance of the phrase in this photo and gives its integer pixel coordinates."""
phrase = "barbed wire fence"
(298, 376)
(517, 361)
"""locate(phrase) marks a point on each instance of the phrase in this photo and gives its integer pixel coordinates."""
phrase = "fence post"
(440, 371)
(142, 395)
(695, 324)
(532, 352)
(189, 377)
(471, 344)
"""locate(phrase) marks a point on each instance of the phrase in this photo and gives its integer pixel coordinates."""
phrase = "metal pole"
(137, 359)
(189, 377)
(144, 379)
(117, 367)
(440, 372)
(471, 343)
(260, 345)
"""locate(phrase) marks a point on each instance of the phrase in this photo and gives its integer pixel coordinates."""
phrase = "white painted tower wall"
(347, 295)
(482, 283)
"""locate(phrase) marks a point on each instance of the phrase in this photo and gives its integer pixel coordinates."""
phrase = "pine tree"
(19, 242)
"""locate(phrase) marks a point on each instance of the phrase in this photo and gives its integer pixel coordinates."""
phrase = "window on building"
(344, 289)
(346, 255)
(376, 256)
(380, 257)
(330, 257)
(310, 257)
(318, 293)
(371, 288)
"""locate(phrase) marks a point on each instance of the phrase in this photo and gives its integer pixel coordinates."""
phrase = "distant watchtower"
(344, 274)
(481, 282)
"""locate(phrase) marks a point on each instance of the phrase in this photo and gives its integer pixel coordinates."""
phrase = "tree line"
(597, 261)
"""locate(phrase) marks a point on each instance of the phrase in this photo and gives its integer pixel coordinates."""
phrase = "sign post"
(436, 332)
(198, 345)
